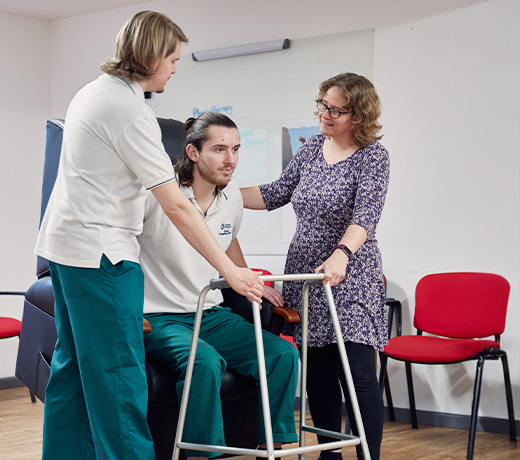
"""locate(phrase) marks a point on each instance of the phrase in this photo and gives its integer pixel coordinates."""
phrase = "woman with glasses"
(337, 184)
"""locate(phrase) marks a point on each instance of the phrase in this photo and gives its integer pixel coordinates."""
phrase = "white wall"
(449, 86)
(24, 95)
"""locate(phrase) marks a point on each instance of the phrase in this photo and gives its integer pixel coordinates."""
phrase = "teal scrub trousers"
(96, 398)
(225, 339)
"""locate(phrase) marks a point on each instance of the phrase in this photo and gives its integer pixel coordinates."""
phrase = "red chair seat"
(425, 349)
(289, 339)
(9, 327)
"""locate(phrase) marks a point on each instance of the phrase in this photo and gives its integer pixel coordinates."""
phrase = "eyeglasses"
(334, 113)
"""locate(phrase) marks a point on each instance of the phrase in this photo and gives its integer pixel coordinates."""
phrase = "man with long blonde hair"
(96, 398)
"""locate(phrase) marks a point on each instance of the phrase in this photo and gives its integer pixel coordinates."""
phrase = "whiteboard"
(262, 93)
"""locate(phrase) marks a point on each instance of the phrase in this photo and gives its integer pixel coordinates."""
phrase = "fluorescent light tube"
(242, 50)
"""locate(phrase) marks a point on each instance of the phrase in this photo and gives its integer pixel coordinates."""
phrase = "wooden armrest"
(288, 314)
(146, 326)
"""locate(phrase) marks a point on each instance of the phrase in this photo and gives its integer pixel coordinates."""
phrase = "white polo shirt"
(111, 152)
(174, 272)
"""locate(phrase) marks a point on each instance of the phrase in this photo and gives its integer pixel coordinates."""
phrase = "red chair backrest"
(461, 305)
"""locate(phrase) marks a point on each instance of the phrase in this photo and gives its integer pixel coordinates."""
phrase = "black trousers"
(326, 383)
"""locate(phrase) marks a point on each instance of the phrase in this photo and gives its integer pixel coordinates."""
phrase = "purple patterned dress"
(327, 199)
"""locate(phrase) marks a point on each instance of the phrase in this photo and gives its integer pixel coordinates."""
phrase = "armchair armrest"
(147, 328)
(272, 320)
(287, 313)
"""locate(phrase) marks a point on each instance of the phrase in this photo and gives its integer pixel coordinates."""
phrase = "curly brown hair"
(362, 99)
(145, 38)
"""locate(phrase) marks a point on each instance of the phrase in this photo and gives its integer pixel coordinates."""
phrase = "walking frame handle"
(221, 283)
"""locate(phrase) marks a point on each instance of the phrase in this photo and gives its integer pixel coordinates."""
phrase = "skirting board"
(486, 424)
(10, 382)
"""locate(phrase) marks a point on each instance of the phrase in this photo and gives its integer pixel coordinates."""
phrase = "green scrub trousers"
(225, 339)
(96, 398)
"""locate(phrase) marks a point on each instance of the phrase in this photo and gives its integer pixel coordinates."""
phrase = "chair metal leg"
(348, 427)
(33, 398)
(411, 395)
(474, 407)
(509, 397)
(389, 401)
(384, 384)
(390, 320)
(395, 312)
(398, 318)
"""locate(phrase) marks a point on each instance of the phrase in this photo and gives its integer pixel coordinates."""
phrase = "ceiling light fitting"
(243, 50)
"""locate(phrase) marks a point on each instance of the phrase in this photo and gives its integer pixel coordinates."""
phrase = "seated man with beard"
(174, 276)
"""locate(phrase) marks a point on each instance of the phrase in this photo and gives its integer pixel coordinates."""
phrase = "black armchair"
(239, 395)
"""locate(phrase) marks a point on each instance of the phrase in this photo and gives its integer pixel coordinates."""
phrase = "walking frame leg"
(189, 373)
(262, 373)
(303, 361)
(263, 382)
(348, 375)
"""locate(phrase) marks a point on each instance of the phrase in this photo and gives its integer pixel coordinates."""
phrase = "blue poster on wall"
(294, 135)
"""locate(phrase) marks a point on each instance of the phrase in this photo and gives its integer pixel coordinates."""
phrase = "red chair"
(10, 327)
(463, 309)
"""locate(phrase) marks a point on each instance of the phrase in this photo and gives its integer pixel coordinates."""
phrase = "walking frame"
(270, 453)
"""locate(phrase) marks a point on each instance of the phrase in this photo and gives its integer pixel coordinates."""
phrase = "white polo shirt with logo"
(174, 272)
(111, 153)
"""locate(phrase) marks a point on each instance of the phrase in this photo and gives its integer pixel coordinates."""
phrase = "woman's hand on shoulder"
(334, 268)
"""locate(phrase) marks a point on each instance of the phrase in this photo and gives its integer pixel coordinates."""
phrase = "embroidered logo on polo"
(225, 229)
